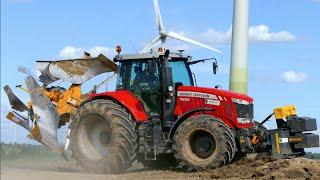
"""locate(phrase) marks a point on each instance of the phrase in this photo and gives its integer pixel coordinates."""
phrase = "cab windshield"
(142, 78)
(180, 73)
(139, 73)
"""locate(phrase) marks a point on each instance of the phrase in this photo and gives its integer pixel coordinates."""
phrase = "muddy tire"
(203, 142)
(103, 138)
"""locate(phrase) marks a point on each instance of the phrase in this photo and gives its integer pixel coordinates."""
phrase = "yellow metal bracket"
(285, 111)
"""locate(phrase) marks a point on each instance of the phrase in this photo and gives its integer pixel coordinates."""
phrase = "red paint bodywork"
(128, 100)
(226, 110)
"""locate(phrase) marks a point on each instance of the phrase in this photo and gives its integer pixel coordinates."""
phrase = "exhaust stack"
(239, 50)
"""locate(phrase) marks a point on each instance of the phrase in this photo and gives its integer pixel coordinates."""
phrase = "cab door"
(142, 79)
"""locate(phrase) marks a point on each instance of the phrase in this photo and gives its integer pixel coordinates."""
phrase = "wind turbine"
(239, 50)
(162, 36)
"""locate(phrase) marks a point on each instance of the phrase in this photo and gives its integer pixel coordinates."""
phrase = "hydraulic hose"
(266, 119)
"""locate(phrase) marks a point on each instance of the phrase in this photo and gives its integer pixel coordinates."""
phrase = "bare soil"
(247, 168)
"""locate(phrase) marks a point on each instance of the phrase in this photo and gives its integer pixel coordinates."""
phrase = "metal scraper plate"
(46, 113)
(77, 71)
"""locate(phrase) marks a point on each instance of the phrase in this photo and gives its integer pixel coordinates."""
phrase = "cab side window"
(142, 79)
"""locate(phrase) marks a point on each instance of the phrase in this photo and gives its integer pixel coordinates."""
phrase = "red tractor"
(158, 116)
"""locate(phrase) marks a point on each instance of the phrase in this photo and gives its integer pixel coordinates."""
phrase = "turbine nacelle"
(161, 38)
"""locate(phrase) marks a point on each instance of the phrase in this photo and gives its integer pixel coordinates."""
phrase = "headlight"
(240, 101)
(244, 110)
(243, 120)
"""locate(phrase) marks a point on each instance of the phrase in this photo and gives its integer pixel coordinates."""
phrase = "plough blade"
(19, 119)
(76, 71)
(45, 116)
(44, 78)
(14, 101)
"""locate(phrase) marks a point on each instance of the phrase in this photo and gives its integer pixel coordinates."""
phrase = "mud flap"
(46, 117)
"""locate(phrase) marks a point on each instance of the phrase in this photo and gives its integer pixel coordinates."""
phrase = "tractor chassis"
(287, 141)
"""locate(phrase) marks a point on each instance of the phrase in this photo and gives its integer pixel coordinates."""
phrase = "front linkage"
(288, 140)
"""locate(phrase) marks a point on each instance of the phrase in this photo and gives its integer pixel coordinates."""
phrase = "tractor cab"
(141, 74)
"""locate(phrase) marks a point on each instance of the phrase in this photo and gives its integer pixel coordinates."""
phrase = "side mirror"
(214, 67)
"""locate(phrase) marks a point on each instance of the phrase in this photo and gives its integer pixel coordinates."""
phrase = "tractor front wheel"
(203, 142)
(103, 138)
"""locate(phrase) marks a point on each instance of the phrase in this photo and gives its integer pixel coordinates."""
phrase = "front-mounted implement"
(293, 133)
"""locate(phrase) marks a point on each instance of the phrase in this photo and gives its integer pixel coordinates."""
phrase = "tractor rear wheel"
(103, 138)
(203, 142)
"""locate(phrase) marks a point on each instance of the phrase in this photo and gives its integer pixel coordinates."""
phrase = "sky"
(284, 47)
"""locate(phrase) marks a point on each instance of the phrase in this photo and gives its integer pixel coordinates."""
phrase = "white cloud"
(70, 52)
(216, 36)
(95, 51)
(259, 33)
(262, 33)
(76, 52)
(293, 77)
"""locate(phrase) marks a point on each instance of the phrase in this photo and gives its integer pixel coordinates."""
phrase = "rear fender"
(127, 100)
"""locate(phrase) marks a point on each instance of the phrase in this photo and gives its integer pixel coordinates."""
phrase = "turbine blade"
(153, 43)
(182, 38)
(158, 15)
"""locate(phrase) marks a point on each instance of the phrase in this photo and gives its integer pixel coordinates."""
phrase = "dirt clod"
(299, 168)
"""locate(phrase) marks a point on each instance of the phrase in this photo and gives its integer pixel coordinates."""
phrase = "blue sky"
(284, 45)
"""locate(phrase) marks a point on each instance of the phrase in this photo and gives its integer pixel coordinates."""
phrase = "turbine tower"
(161, 38)
(239, 50)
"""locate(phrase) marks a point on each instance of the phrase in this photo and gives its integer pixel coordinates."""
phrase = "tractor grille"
(244, 112)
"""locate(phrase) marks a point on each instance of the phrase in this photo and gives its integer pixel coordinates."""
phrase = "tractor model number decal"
(196, 94)
(185, 99)
(212, 102)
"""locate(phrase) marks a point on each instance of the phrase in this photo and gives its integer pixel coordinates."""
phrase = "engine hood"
(218, 92)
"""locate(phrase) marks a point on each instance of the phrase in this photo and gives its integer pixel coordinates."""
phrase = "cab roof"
(144, 56)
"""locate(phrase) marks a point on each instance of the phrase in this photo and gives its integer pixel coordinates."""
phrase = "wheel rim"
(95, 137)
(202, 144)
